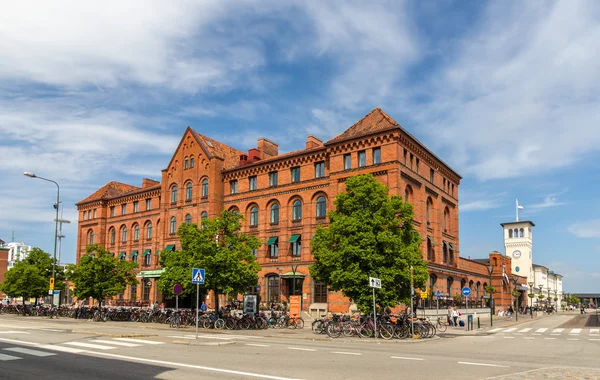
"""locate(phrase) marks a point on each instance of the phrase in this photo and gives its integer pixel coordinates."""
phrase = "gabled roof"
(374, 121)
(110, 190)
(231, 156)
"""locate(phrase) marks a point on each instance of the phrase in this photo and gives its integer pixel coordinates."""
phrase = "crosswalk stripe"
(496, 330)
(90, 345)
(510, 329)
(69, 350)
(124, 344)
(138, 341)
(557, 331)
(575, 331)
(8, 357)
(525, 330)
(28, 351)
(594, 331)
(14, 332)
(541, 330)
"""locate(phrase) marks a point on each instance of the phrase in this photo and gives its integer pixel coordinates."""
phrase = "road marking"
(181, 337)
(594, 339)
(575, 331)
(346, 353)
(124, 344)
(508, 337)
(27, 351)
(14, 332)
(497, 329)
(406, 358)
(89, 345)
(4, 358)
(510, 329)
(209, 337)
(594, 331)
(525, 330)
(301, 349)
(138, 341)
(257, 345)
(529, 337)
(550, 338)
(61, 349)
(483, 364)
(557, 331)
(541, 330)
(53, 330)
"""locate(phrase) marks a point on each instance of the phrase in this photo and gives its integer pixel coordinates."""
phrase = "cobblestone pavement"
(552, 374)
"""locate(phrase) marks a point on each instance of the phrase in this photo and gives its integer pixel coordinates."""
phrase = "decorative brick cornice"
(274, 194)
(275, 164)
(431, 191)
(448, 202)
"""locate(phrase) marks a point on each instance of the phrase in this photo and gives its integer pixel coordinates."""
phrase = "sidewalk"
(497, 322)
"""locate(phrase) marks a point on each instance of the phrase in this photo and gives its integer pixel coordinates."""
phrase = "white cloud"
(480, 205)
(588, 229)
(549, 201)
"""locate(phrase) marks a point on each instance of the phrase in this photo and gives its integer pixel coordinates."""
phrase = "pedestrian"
(82, 310)
(203, 307)
(510, 312)
(455, 316)
(450, 320)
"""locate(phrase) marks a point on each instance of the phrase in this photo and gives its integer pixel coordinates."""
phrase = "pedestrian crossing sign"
(198, 276)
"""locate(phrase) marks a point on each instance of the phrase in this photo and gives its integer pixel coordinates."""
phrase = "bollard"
(478, 323)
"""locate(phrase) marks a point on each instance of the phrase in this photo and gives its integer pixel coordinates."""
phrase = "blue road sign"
(466, 291)
(177, 289)
(438, 294)
(198, 276)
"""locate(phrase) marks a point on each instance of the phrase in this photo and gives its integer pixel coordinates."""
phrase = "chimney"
(267, 148)
(243, 159)
(253, 155)
(313, 142)
(147, 182)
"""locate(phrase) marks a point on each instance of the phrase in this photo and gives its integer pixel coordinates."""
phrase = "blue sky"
(505, 92)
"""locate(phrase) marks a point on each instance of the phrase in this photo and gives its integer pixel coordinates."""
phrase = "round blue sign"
(177, 289)
(466, 291)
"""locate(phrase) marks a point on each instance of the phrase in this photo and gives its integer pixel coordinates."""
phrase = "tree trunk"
(216, 295)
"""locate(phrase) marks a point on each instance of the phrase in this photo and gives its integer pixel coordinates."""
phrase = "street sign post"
(177, 289)
(198, 279)
(466, 292)
(374, 283)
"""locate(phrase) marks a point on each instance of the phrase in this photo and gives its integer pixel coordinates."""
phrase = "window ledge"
(273, 259)
(204, 197)
(188, 201)
(274, 223)
(172, 233)
(254, 226)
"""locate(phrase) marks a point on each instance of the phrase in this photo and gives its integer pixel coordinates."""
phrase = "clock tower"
(518, 245)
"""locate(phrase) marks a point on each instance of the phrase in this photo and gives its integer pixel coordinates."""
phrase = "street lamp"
(515, 279)
(541, 287)
(56, 206)
(531, 298)
(490, 271)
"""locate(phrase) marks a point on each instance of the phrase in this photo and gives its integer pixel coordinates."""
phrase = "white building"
(17, 251)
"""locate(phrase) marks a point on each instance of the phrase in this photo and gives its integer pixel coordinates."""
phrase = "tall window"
(147, 262)
(521, 233)
(149, 204)
(405, 154)
(255, 252)
(428, 208)
(136, 206)
(411, 161)
(191, 162)
(273, 179)
(273, 288)
(204, 188)
(94, 213)
(112, 211)
(446, 219)
(203, 215)
(113, 236)
(123, 209)
(91, 238)
(174, 194)
(188, 191)
(124, 235)
(146, 291)
(347, 161)
(510, 234)
(431, 175)
(451, 255)
(186, 164)
(136, 233)
(296, 245)
(273, 247)
(252, 183)
(376, 156)
(254, 216)
(320, 295)
(417, 167)
(233, 186)
(149, 231)
(444, 252)
(188, 219)
(275, 213)
(362, 158)
(449, 283)
(321, 207)
(319, 170)
(295, 174)
(133, 292)
(297, 210)
(84, 215)
(430, 254)
(173, 225)
(407, 194)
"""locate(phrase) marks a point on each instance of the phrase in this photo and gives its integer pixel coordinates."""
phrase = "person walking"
(455, 316)
(450, 320)
(203, 307)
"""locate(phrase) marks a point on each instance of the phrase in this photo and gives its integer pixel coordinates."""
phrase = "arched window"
(510, 234)
(321, 207)
(188, 191)
(478, 289)
(273, 288)
(428, 208)
(446, 219)
(516, 232)
(149, 231)
(191, 162)
(113, 236)
(429, 251)
(254, 216)
(136, 232)
(204, 215)
(173, 225)
(463, 283)
(449, 283)
(205, 188)
(445, 252)
(174, 194)
(297, 210)
(188, 219)
(91, 237)
(407, 194)
(432, 281)
(521, 233)
(275, 213)
(451, 255)
(234, 210)
(124, 235)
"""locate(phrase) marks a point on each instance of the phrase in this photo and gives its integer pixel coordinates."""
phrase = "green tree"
(100, 275)
(221, 249)
(43, 261)
(25, 280)
(370, 235)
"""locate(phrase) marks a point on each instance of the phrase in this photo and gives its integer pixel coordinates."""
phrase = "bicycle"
(441, 325)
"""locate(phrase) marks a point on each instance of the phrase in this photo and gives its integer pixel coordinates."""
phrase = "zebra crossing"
(572, 334)
(46, 350)
(215, 336)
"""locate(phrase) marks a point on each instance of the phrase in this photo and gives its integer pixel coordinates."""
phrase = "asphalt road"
(67, 349)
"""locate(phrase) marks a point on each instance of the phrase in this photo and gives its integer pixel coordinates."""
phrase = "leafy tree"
(221, 249)
(370, 235)
(100, 275)
(25, 280)
(43, 261)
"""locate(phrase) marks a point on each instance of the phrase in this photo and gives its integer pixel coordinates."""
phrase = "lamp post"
(515, 279)
(490, 271)
(56, 206)
(541, 287)
(531, 298)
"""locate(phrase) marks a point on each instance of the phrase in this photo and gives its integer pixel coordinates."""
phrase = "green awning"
(151, 273)
(146, 253)
(122, 255)
(134, 253)
(294, 238)
(451, 246)
(293, 275)
(170, 247)
(272, 240)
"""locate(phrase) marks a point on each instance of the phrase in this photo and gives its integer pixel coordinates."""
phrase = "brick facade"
(3, 267)
(210, 176)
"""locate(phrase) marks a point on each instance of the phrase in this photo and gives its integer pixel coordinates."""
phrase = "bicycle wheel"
(385, 331)
(299, 322)
(441, 326)
(219, 324)
(317, 326)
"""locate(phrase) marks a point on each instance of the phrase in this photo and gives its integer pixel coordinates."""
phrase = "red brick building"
(3, 265)
(284, 197)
